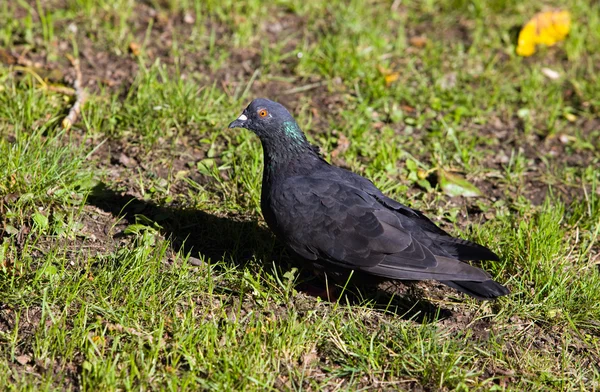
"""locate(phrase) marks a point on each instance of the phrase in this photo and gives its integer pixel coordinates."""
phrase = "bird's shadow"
(213, 238)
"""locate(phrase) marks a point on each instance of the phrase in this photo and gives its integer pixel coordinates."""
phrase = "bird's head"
(269, 120)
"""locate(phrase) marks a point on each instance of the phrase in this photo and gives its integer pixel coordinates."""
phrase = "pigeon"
(343, 225)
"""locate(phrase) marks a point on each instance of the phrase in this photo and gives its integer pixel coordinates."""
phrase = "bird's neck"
(286, 155)
(288, 160)
(287, 149)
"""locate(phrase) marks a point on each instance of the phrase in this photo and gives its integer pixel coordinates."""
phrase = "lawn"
(133, 255)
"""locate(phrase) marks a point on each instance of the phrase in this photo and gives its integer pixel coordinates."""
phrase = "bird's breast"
(267, 207)
(275, 208)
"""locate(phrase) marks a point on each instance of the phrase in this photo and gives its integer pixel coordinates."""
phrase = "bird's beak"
(240, 122)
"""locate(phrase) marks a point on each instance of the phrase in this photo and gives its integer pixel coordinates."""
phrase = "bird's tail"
(487, 289)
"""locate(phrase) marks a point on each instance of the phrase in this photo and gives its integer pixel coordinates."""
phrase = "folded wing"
(357, 229)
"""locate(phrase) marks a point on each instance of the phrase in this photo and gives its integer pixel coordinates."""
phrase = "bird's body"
(340, 222)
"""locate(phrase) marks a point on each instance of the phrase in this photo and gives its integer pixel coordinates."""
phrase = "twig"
(20, 59)
(79, 96)
(61, 89)
(304, 88)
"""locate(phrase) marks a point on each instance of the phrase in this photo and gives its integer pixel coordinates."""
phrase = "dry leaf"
(391, 78)
(23, 359)
(6, 57)
(388, 75)
(546, 28)
(407, 108)
(134, 48)
(418, 42)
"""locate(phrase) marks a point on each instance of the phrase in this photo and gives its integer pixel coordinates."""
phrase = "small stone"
(550, 73)
(188, 18)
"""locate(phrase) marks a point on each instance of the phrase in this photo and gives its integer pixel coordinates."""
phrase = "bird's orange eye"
(263, 113)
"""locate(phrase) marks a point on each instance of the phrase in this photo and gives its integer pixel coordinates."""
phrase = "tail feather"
(463, 249)
(488, 289)
(447, 269)
(462, 276)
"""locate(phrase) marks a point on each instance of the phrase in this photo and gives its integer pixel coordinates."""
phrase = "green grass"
(102, 227)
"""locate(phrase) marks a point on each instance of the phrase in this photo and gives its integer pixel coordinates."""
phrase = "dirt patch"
(28, 321)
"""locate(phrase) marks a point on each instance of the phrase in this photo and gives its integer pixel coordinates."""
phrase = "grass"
(132, 251)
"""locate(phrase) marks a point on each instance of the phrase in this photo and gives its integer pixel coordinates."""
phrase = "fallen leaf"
(126, 161)
(134, 48)
(455, 185)
(388, 75)
(23, 359)
(391, 78)
(546, 28)
(408, 108)
(6, 57)
(418, 41)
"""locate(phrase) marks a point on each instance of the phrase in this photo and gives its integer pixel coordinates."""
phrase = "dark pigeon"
(340, 222)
